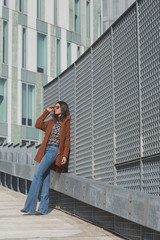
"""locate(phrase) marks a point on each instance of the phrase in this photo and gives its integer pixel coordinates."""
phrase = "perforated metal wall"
(67, 94)
(83, 111)
(126, 90)
(129, 176)
(149, 18)
(113, 91)
(151, 176)
(103, 110)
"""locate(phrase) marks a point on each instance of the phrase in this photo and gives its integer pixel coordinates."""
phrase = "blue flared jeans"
(39, 189)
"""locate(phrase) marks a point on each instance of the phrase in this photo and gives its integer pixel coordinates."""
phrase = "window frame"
(5, 3)
(39, 9)
(5, 51)
(115, 11)
(6, 85)
(55, 15)
(78, 51)
(45, 57)
(69, 58)
(21, 6)
(26, 85)
(88, 18)
(58, 59)
(77, 29)
(24, 55)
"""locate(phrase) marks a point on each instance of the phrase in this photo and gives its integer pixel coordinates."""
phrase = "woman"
(52, 154)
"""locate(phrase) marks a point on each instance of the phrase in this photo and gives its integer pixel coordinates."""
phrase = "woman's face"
(57, 109)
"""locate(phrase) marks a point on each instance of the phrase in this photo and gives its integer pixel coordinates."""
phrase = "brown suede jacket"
(64, 144)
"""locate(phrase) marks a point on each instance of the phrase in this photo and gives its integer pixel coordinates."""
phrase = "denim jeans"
(39, 188)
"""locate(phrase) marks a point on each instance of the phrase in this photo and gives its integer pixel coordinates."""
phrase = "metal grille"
(149, 12)
(103, 110)
(83, 117)
(125, 67)
(127, 229)
(67, 94)
(128, 176)
(151, 176)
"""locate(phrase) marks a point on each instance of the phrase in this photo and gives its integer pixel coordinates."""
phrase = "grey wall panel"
(67, 94)
(126, 88)
(84, 117)
(149, 11)
(103, 110)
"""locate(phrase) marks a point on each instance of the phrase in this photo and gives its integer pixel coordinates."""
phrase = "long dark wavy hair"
(64, 111)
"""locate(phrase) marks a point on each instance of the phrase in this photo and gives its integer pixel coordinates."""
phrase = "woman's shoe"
(22, 210)
(38, 213)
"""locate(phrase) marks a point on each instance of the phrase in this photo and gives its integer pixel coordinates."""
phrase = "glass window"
(78, 52)
(28, 104)
(5, 2)
(24, 48)
(105, 8)
(39, 9)
(77, 16)
(100, 23)
(58, 56)
(55, 12)
(21, 5)
(3, 140)
(68, 54)
(111, 22)
(88, 18)
(5, 42)
(31, 105)
(41, 53)
(126, 4)
(115, 7)
(3, 100)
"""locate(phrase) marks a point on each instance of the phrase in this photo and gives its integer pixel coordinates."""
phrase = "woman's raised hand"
(50, 108)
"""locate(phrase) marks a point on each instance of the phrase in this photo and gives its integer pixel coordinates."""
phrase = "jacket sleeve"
(40, 124)
(67, 139)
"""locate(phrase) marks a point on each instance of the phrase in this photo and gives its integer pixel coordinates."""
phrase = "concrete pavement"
(57, 225)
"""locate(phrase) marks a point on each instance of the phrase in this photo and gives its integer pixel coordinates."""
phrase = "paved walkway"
(57, 225)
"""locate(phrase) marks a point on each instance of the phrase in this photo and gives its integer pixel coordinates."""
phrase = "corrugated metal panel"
(149, 12)
(128, 176)
(67, 94)
(105, 103)
(51, 94)
(103, 111)
(126, 88)
(84, 117)
(151, 176)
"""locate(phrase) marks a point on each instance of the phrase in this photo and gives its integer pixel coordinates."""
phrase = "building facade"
(112, 9)
(38, 40)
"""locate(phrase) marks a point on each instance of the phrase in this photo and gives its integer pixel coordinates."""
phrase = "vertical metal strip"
(114, 134)
(58, 89)
(74, 118)
(92, 113)
(140, 105)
